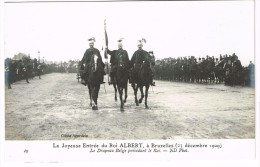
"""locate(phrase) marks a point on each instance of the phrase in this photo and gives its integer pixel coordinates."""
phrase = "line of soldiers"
(227, 69)
(118, 57)
(25, 68)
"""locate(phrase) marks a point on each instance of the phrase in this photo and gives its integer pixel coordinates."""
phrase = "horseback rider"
(114, 60)
(37, 67)
(24, 68)
(137, 60)
(87, 59)
(228, 70)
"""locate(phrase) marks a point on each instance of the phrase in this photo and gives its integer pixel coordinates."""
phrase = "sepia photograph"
(129, 70)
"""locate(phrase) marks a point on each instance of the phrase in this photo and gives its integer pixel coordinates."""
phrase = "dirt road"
(57, 108)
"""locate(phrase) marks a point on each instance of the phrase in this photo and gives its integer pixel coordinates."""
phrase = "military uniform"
(137, 60)
(237, 71)
(25, 73)
(228, 70)
(87, 59)
(37, 68)
(115, 61)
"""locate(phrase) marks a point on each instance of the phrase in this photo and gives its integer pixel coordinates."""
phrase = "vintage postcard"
(129, 80)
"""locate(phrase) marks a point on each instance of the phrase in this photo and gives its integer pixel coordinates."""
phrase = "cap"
(142, 41)
(92, 39)
(120, 40)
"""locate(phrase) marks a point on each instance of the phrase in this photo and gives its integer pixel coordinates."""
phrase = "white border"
(257, 72)
(2, 108)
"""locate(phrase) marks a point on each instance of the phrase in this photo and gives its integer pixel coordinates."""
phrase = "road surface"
(56, 107)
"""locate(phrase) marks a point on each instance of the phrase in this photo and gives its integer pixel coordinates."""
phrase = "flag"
(106, 40)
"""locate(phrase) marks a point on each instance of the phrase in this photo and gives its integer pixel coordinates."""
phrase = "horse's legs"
(146, 96)
(120, 90)
(135, 93)
(125, 93)
(142, 94)
(95, 96)
(90, 94)
(115, 88)
(26, 77)
(39, 75)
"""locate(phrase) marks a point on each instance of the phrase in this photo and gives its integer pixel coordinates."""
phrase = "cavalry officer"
(137, 59)
(87, 59)
(116, 57)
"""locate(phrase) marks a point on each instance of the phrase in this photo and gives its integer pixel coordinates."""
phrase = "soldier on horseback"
(137, 60)
(114, 60)
(25, 73)
(87, 58)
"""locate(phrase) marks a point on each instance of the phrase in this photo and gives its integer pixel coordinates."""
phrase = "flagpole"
(106, 46)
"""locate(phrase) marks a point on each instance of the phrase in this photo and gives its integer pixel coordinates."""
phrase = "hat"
(120, 40)
(142, 41)
(90, 40)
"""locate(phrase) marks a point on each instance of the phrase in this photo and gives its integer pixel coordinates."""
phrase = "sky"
(60, 31)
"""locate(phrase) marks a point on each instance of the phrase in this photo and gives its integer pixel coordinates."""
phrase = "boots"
(103, 74)
(84, 80)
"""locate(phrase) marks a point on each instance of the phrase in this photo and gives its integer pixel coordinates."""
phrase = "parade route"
(56, 107)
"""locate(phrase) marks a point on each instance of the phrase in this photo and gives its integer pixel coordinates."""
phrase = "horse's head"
(94, 62)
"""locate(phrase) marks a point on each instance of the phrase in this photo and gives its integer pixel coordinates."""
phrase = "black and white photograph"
(129, 70)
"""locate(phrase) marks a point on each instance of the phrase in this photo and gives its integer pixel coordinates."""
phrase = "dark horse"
(142, 80)
(94, 80)
(121, 81)
(115, 88)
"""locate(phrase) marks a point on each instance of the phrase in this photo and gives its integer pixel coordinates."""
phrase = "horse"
(115, 89)
(30, 70)
(39, 70)
(25, 73)
(199, 73)
(142, 80)
(94, 80)
(121, 81)
(219, 72)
